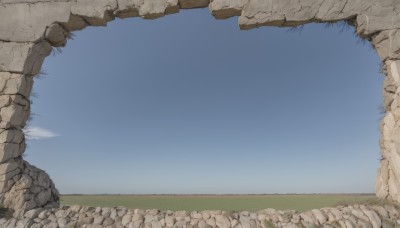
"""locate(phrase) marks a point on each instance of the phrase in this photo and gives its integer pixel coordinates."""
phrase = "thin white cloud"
(37, 133)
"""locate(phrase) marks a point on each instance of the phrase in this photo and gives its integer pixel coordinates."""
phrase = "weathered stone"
(26, 222)
(15, 115)
(320, 216)
(26, 22)
(387, 44)
(9, 151)
(373, 217)
(61, 217)
(75, 23)
(154, 9)
(25, 182)
(16, 84)
(108, 222)
(126, 219)
(369, 24)
(203, 224)
(222, 221)
(169, 221)
(222, 9)
(33, 213)
(96, 13)
(98, 219)
(9, 166)
(21, 196)
(56, 35)
(127, 8)
(26, 58)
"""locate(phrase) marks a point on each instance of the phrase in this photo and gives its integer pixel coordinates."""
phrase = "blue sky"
(189, 104)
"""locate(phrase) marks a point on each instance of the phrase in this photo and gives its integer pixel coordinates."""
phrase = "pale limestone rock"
(169, 221)
(96, 13)
(26, 58)
(25, 182)
(156, 8)
(222, 9)
(13, 56)
(394, 185)
(18, 84)
(387, 44)
(222, 221)
(62, 217)
(32, 214)
(98, 219)
(369, 24)
(359, 214)
(6, 177)
(126, 219)
(9, 166)
(258, 13)
(320, 216)
(62, 222)
(373, 217)
(394, 71)
(75, 23)
(383, 213)
(363, 223)
(28, 22)
(108, 222)
(21, 196)
(16, 115)
(203, 224)
(15, 136)
(127, 8)
(9, 151)
(26, 222)
(381, 184)
(5, 100)
(147, 9)
(211, 222)
(308, 217)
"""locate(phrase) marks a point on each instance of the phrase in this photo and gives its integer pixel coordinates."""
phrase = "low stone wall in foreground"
(373, 216)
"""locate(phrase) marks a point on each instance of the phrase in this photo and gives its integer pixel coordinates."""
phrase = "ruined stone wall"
(29, 29)
(366, 216)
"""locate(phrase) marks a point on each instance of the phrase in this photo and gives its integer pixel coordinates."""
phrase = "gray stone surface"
(222, 9)
(24, 22)
(25, 58)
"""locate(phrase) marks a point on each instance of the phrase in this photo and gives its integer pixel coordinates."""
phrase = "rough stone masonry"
(29, 29)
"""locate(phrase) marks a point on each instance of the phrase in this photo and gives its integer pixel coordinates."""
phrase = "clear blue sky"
(188, 104)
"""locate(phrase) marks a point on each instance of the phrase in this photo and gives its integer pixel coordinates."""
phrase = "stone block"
(96, 13)
(387, 44)
(25, 22)
(25, 58)
(56, 35)
(222, 9)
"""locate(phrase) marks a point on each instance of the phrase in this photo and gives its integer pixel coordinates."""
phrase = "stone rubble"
(30, 29)
(369, 216)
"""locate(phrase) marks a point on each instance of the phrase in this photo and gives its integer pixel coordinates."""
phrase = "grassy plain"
(215, 202)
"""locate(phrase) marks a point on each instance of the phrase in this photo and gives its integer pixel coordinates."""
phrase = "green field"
(214, 202)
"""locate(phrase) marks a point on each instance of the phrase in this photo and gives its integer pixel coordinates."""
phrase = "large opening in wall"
(189, 105)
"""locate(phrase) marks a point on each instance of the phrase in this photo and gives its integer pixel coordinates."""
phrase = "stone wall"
(29, 29)
(372, 216)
